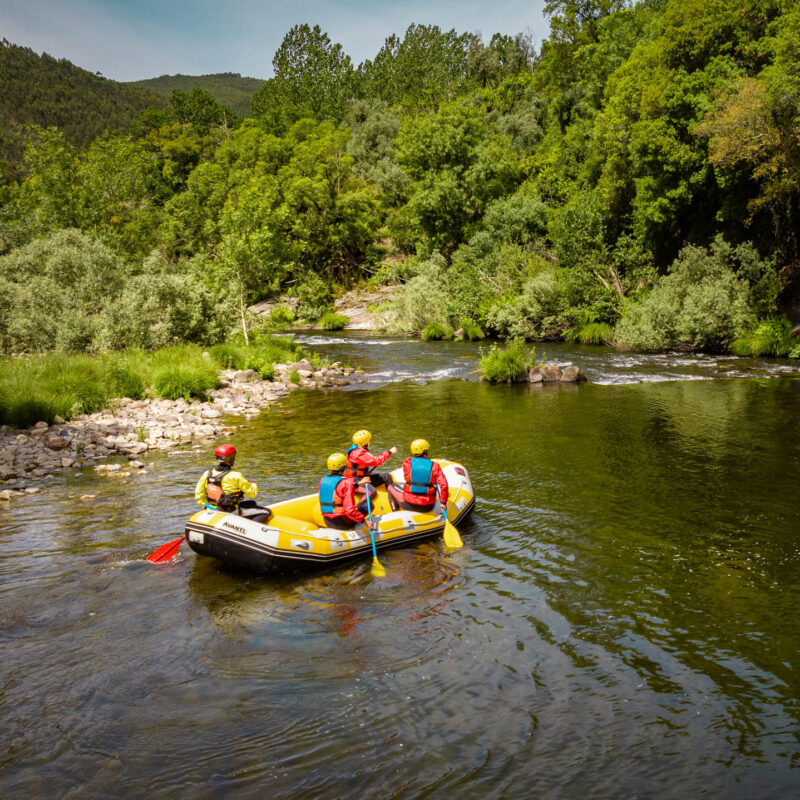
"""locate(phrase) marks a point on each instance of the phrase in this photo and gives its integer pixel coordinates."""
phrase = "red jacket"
(364, 461)
(437, 477)
(345, 491)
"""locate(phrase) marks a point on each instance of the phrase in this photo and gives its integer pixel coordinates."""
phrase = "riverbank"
(365, 309)
(29, 457)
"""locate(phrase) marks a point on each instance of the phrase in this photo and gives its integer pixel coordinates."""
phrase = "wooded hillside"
(49, 91)
(228, 88)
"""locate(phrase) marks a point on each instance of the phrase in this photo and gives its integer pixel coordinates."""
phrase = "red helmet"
(226, 453)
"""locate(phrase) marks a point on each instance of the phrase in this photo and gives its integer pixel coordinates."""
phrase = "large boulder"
(550, 373)
(572, 374)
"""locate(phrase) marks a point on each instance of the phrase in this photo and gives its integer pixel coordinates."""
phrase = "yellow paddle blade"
(451, 536)
(377, 569)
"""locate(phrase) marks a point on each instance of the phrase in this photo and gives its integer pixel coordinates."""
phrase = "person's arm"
(441, 482)
(243, 485)
(346, 490)
(200, 490)
(366, 459)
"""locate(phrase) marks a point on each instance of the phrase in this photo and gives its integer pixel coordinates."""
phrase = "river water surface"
(621, 621)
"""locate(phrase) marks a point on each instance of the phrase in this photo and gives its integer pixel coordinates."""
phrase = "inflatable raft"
(295, 536)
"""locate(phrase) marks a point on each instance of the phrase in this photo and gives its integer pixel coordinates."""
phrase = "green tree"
(313, 78)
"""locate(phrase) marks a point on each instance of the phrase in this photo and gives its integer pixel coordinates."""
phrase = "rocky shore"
(131, 428)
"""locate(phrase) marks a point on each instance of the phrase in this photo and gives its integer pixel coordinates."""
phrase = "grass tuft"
(506, 364)
(333, 321)
(435, 331)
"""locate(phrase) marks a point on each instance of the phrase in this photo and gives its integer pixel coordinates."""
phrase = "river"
(621, 621)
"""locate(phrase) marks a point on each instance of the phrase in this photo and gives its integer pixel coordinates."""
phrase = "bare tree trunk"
(241, 311)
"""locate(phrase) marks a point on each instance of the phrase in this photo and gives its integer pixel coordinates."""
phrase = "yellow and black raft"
(295, 536)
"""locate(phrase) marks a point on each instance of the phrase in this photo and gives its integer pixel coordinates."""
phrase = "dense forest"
(228, 88)
(636, 180)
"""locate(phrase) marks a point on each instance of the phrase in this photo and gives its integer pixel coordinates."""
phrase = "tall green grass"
(261, 355)
(471, 330)
(771, 337)
(333, 321)
(39, 388)
(506, 364)
(435, 331)
(590, 329)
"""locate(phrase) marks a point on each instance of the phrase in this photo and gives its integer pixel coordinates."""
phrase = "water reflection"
(619, 622)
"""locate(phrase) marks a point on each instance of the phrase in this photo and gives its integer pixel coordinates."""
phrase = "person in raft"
(361, 463)
(422, 477)
(337, 497)
(223, 488)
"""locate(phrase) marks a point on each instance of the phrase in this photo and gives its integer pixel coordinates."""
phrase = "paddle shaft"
(371, 532)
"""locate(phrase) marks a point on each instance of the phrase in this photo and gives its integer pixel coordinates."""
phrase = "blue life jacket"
(421, 472)
(329, 502)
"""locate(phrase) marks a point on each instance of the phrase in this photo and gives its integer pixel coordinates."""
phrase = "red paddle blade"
(165, 552)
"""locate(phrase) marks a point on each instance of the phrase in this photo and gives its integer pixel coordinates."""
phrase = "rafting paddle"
(165, 552)
(451, 536)
(377, 568)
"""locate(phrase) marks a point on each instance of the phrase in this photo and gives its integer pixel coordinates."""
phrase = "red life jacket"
(330, 503)
(355, 470)
(421, 481)
(224, 501)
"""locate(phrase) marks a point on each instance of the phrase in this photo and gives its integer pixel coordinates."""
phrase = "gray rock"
(7, 495)
(535, 375)
(56, 442)
(245, 376)
(572, 374)
(551, 373)
(210, 413)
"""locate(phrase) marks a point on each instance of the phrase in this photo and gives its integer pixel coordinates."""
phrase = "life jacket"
(329, 502)
(355, 470)
(224, 501)
(421, 477)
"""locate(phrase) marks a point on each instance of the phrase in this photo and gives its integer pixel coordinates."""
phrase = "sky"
(134, 39)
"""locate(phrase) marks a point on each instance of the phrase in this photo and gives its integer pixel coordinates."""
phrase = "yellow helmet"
(419, 446)
(362, 437)
(337, 461)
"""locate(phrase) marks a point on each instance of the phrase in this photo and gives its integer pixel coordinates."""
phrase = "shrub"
(281, 315)
(423, 298)
(771, 337)
(294, 376)
(435, 331)
(505, 364)
(313, 297)
(53, 290)
(333, 322)
(159, 307)
(701, 303)
(519, 218)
